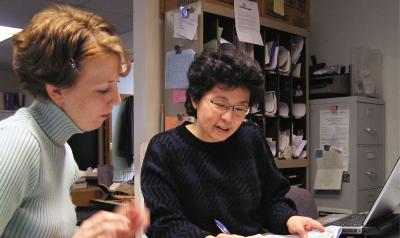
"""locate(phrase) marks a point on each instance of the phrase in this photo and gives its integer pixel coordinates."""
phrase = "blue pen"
(221, 227)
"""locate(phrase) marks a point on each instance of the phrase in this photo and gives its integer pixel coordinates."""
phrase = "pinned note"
(247, 22)
(176, 68)
(178, 96)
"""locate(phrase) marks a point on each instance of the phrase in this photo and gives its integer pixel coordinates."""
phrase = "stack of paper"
(270, 103)
(330, 232)
(296, 47)
(271, 55)
(80, 183)
(298, 145)
(284, 61)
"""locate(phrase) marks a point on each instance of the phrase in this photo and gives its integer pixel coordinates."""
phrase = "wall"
(9, 82)
(127, 40)
(125, 87)
(337, 26)
(148, 56)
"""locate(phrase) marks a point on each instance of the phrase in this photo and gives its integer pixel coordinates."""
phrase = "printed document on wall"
(176, 68)
(334, 131)
(247, 22)
(186, 27)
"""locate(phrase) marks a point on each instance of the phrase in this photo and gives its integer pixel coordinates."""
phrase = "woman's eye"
(221, 105)
(103, 91)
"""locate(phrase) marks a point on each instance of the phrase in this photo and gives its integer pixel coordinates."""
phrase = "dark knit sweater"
(187, 183)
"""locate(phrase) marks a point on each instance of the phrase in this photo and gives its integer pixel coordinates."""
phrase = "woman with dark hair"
(70, 61)
(218, 170)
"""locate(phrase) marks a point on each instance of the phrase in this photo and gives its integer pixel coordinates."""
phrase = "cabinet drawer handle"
(370, 173)
(370, 131)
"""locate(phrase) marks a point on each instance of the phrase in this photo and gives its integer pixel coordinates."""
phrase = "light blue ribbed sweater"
(37, 169)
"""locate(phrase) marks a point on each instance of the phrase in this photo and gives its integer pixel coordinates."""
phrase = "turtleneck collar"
(53, 121)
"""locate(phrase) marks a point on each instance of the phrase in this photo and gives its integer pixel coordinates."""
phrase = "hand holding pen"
(225, 232)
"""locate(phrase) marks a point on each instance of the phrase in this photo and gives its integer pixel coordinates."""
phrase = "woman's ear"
(55, 94)
(194, 103)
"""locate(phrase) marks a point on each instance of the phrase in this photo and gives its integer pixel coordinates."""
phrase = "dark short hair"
(54, 43)
(226, 67)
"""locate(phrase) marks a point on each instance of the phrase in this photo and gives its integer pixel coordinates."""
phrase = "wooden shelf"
(291, 163)
(213, 15)
(229, 12)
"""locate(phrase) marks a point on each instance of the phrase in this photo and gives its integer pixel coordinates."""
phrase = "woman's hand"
(127, 219)
(301, 225)
(104, 224)
(138, 216)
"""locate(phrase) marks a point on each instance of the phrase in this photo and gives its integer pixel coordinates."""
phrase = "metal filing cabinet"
(365, 176)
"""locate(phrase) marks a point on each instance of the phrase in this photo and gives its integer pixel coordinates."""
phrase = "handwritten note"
(329, 170)
(178, 96)
(176, 67)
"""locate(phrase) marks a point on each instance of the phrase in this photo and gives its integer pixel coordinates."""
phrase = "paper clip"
(185, 10)
(178, 49)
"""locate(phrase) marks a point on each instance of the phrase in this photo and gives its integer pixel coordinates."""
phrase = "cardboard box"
(81, 197)
(296, 12)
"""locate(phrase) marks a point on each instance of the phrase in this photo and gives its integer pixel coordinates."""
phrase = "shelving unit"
(214, 14)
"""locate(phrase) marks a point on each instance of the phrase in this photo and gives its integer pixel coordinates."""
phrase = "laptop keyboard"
(351, 220)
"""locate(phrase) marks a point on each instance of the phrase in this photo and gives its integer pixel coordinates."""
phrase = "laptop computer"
(380, 217)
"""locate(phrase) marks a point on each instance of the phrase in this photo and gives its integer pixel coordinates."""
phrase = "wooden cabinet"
(216, 15)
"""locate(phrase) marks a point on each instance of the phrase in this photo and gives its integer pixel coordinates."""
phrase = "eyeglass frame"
(228, 106)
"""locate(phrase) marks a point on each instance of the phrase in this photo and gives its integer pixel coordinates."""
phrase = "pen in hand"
(221, 227)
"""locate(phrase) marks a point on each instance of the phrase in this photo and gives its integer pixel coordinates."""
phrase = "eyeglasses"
(222, 106)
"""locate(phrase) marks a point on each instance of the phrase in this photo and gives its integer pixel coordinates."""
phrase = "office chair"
(305, 203)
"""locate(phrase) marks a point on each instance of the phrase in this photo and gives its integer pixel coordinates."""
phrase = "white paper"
(176, 68)
(329, 171)
(334, 131)
(185, 28)
(247, 21)
(296, 46)
(272, 145)
(299, 148)
(330, 232)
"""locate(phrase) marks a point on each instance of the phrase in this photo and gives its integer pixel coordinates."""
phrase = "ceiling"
(17, 13)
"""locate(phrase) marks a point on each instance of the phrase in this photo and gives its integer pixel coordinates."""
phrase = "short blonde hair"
(50, 49)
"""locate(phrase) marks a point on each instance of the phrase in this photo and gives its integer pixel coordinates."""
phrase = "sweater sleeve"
(160, 195)
(276, 209)
(19, 165)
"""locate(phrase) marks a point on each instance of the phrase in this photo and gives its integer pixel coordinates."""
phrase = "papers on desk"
(330, 232)
(247, 21)
(329, 169)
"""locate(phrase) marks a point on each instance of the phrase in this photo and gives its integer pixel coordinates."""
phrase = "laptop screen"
(389, 198)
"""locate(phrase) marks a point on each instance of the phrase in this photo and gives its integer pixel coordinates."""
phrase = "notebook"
(381, 216)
